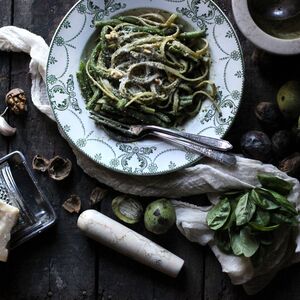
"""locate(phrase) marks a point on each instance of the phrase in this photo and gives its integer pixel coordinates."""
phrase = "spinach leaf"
(244, 243)
(278, 218)
(261, 217)
(263, 199)
(235, 242)
(245, 210)
(219, 214)
(232, 218)
(246, 222)
(283, 202)
(263, 228)
(275, 183)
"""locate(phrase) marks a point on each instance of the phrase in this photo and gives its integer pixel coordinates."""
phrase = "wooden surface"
(62, 263)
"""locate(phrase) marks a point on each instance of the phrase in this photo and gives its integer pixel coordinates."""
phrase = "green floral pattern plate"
(149, 156)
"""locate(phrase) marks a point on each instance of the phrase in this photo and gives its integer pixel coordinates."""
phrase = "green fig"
(288, 99)
(159, 216)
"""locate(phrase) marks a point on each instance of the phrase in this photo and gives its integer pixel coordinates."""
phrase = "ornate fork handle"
(194, 142)
(214, 143)
(224, 158)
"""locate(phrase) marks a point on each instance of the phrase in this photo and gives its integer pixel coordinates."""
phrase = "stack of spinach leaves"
(246, 222)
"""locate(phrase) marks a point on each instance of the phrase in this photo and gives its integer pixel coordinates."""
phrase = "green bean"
(145, 118)
(185, 103)
(181, 53)
(95, 54)
(107, 111)
(163, 117)
(146, 29)
(137, 115)
(130, 19)
(83, 82)
(103, 45)
(136, 21)
(111, 22)
(93, 101)
(191, 35)
(99, 72)
(147, 109)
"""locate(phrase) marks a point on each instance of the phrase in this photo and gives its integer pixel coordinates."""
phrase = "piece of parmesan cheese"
(8, 218)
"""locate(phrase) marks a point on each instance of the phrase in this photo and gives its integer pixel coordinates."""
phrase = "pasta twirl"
(147, 70)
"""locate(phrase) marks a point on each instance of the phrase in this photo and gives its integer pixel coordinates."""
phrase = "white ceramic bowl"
(257, 36)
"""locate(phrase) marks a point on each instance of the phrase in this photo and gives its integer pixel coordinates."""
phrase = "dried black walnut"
(59, 168)
(40, 163)
(97, 195)
(73, 204)
(16, 101)
(282, 143)
(257, 145)
(291, 165)
(269, 114)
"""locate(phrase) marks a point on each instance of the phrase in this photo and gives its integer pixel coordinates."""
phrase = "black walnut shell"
(40, 163)
(97, 195)
(291, 165)
(269, 114)
(282, 142)
(59, 168)
(73, 204)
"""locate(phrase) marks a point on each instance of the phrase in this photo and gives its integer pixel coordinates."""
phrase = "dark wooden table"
(62, 263)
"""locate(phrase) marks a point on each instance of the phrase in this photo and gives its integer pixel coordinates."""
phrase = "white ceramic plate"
(149, 156)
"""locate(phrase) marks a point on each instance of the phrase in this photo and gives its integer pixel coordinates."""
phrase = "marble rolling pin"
(126, 241)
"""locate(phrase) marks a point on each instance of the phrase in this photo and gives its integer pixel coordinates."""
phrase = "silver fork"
(139, 131)
(128, 136)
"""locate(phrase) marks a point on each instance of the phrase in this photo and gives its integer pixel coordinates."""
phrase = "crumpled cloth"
(21, 40)
(208, 177)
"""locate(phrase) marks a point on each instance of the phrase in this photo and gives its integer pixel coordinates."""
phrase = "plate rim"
(156, 173)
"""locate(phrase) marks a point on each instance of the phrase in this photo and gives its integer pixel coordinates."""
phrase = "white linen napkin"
(207, 177)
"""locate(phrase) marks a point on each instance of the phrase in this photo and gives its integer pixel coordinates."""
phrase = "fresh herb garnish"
(246, 221)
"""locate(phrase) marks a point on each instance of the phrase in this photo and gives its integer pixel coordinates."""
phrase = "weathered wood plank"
(5, 19)
(217, 284)
(264, 75)
(60, 263)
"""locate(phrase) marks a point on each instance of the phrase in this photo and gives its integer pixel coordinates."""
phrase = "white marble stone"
(126, 241)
